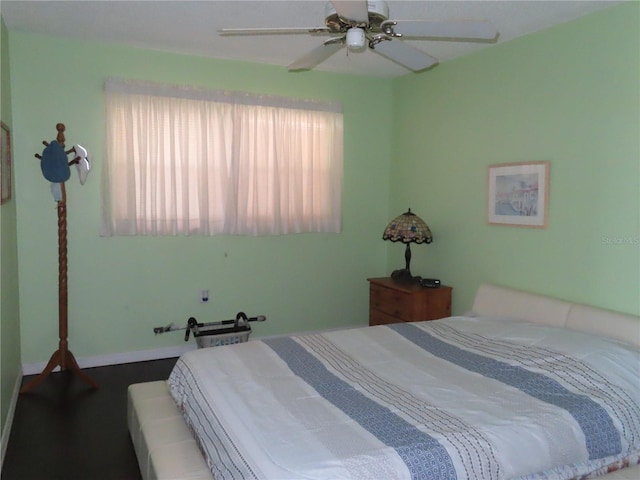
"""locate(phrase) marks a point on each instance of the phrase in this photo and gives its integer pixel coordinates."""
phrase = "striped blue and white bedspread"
(458, 398)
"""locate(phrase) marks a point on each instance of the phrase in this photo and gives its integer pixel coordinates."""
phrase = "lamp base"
(403, 275)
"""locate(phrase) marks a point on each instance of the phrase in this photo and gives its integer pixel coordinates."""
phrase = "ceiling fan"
(357, 24)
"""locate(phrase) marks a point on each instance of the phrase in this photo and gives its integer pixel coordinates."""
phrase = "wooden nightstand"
(392, 302)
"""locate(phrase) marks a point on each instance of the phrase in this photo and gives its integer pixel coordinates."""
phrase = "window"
(186, 160)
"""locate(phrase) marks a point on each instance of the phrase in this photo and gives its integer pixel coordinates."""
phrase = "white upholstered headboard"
(496, 301)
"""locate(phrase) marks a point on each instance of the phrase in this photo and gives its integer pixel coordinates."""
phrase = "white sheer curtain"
(187, 160)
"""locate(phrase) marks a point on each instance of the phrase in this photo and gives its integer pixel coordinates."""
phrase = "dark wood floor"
(64, 430)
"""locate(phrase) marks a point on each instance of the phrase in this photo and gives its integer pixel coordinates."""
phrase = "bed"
(523, 386)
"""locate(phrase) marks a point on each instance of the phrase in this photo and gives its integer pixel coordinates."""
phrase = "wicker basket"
(207, 337)
(216, 334)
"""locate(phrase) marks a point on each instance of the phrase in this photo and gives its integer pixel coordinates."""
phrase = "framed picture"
(5, 168)
(518, 194)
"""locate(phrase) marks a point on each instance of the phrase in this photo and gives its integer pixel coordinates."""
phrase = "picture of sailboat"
(517, 195)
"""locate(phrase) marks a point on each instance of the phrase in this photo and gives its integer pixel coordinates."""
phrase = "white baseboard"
(115, 358)
(6, 429)
(144, 355)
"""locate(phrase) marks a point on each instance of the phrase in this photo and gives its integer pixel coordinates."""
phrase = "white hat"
(83, 166)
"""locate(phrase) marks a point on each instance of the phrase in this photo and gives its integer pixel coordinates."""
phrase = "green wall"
(120, 288)
(10, 361)
(569, 95)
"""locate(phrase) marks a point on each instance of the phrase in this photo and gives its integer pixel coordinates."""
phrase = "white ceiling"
(191, 27)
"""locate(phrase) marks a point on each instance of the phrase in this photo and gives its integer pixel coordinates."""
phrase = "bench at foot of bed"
(162, 441)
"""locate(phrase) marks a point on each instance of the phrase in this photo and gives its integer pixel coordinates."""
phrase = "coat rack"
(55, 168)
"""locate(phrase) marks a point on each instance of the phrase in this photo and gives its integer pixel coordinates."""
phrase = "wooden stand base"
(66, 361)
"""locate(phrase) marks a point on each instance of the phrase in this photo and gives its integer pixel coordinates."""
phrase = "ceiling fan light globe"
(356, 39)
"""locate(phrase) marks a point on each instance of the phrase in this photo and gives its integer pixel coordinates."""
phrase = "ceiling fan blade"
(405, 55)
(271, 31)
(355, 10)
(479, 30)
(317, 55)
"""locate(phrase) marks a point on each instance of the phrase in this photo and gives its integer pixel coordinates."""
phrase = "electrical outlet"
(204, 295)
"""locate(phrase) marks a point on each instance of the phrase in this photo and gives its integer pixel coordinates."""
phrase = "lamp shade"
(408, 228)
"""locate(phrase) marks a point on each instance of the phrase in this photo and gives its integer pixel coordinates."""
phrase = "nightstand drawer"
(376, 317)
(391, 302)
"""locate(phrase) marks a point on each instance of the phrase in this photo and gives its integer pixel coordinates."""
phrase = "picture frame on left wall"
(5, 167)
